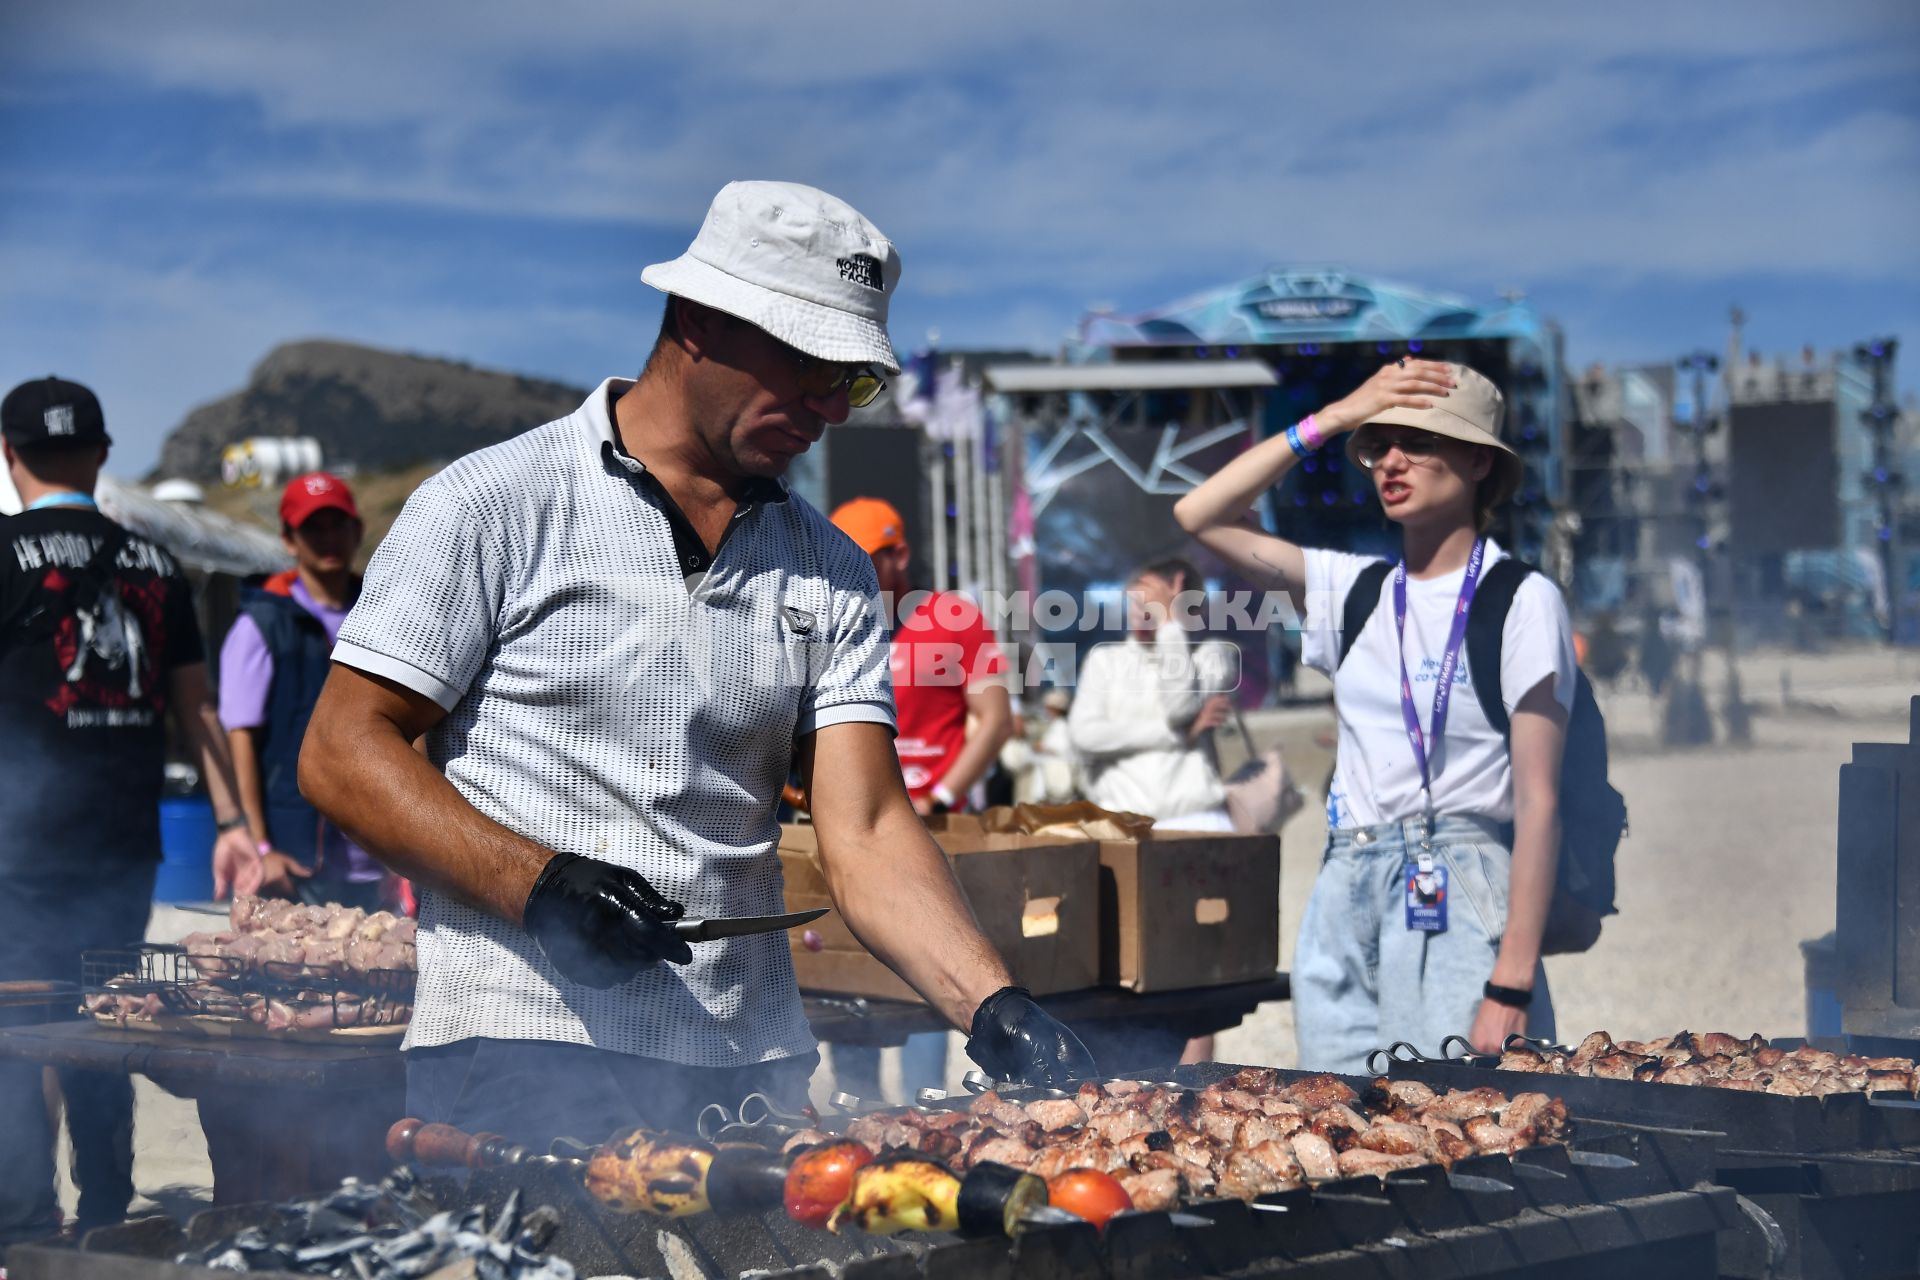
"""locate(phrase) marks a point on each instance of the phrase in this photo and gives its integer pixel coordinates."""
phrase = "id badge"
(1426, 883)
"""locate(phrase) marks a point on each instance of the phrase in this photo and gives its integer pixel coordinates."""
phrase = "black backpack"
(1593, 816)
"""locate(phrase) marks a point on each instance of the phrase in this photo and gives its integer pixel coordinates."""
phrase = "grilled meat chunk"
(1545, 1117)
(1339, 1124)
(1315, 1156)
(1526, 1060)
(1397, 1139)
(1408, 1093)
(1056, 1113)
(1463, 1104)
(1155, 1189)
(997, 1148)
(1490, 1138)
(1118, 1126)
(1316, 1092)
(1360, 1161)
(1007, 1116)
(1244, 1176)
(1592, 1047)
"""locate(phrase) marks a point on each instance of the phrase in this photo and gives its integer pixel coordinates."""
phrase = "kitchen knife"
(741, 926)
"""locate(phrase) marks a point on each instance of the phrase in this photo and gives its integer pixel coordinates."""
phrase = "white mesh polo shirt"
(604, 701)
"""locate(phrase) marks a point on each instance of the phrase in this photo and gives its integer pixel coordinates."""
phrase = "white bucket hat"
(1473, 413)
(796, 262)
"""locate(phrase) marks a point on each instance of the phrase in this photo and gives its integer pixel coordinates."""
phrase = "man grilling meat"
(616, 633)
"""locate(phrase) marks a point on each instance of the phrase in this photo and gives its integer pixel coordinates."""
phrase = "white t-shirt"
(1376, 778)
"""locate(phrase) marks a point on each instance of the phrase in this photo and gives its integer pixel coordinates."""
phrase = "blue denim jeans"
(1362, 979)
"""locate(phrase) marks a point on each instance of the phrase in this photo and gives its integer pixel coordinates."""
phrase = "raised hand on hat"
(1398, 384)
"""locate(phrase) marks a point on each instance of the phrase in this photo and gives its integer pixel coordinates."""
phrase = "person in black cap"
(98, 643)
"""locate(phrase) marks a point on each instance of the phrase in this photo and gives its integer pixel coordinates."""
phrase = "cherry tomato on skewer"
(1089, 1194)
(819, 1181)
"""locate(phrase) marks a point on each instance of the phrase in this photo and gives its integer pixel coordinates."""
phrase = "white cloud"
(1020, 153)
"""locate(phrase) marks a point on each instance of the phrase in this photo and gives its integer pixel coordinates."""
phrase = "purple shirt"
(246, 676)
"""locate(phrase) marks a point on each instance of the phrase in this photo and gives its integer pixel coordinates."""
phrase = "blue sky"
(184, 185)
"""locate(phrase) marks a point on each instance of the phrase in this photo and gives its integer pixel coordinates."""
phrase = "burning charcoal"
(332, 1249)
(682, 1263)
(389, 1231)
(327, 1223)
(538, 1229)
(503, 1227)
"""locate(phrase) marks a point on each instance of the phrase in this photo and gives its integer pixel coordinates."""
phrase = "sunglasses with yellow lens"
(821, 378)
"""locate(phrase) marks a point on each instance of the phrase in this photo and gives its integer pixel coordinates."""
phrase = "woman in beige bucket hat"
(1427, 916)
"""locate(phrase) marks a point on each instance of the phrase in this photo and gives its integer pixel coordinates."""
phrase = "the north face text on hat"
(861, 269)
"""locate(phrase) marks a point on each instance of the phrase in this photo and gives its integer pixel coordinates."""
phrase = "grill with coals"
(1615, 1198)
(1835, 1179)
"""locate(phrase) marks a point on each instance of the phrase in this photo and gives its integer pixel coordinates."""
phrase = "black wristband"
(231, 823)
(1512, 997)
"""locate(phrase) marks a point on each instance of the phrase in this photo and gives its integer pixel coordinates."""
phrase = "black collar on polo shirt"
(688, 548)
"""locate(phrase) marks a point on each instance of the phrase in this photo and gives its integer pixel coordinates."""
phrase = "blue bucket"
(1825, 1014)
(187, 833)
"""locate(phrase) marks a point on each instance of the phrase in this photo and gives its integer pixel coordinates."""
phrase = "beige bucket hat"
(796, 262)
(1472, 413)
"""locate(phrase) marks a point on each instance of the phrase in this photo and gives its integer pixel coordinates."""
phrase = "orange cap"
(870, 522)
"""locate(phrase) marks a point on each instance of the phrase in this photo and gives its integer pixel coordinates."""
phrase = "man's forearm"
(897, 894)
(1224, 497)
(1536, 844)
(366, 777)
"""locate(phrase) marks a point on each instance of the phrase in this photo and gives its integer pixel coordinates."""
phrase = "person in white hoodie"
(1145, 710)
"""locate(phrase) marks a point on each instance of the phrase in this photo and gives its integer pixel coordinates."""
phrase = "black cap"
(52, 411)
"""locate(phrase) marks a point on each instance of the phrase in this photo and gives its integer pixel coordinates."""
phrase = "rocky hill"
(377, 409)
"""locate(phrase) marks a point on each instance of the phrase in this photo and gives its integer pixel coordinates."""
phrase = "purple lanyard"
(1443, 692)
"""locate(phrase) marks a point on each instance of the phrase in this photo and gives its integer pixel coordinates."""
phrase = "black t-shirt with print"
(87, 646)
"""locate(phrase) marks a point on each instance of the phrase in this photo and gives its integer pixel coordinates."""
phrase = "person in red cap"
(272, 665)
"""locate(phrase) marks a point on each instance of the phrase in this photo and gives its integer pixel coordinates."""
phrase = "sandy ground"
(1728, 867)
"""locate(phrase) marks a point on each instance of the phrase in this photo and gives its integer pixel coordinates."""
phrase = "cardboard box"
(1037, 900)
(1189, 909)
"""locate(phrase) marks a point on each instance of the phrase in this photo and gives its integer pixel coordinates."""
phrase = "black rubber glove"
(599, 924)
(1015, 1039)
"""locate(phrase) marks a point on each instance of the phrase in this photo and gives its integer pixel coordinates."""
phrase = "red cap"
(313, 492)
